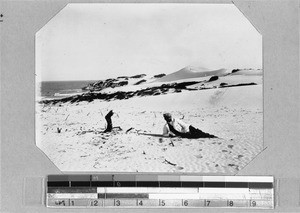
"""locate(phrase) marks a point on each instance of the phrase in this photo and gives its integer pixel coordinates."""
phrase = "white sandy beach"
(234, 114)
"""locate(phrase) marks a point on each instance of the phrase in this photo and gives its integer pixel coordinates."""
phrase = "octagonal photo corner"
(149, 88)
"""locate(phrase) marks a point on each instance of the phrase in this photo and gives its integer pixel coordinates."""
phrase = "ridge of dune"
(191, 72)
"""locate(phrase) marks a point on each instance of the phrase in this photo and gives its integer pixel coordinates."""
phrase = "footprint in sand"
(179, 168)
(233, 165)
(230, 146)
(198, 156)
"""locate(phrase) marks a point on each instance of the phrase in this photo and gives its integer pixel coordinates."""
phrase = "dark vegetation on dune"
(141, 81)
(134, 76)
(108, 83)
(213, 78)
(235, 70)
(138, 76)
(159, 75)
(222, 85)
(117, 82)
(120, 95)
(93, 90)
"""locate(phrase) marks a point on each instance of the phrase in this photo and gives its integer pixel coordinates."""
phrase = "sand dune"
(191, 72)
(243, 77)
(233, 114)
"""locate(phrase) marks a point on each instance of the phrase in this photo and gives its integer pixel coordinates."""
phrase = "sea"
(60, 89)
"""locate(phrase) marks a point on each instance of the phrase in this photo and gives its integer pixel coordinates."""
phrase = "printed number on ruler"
(95, 203)
(60, 203)
(117, 203)
(229, 203)
(252, 203)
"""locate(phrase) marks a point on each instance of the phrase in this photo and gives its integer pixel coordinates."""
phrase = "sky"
(99, 41)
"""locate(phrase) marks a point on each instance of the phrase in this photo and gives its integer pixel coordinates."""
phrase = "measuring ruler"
(159, 191)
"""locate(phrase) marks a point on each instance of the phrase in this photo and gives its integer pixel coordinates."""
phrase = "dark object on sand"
(223, 84)
(193, 133)
(109, 121)
(138, 76)
(159, 75)
(128, 130)
(110, 127)
(59, 130)
(213, 78)
(139, 82)
(240, 85)
(173, 164)
(235, 70)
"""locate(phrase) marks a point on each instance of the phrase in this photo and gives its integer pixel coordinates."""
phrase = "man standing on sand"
(175, 127)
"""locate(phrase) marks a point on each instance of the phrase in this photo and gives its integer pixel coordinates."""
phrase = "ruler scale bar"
(102, 183)
(58, 184)
(80, 183)
(147, 184)
(236, 184)
(72, 190)
(148, 190)
(173, 196)
(72, 195)
(163, 191)
(127, 195)
(254, 185)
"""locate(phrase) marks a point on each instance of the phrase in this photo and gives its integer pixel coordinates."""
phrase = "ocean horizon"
(59, 89)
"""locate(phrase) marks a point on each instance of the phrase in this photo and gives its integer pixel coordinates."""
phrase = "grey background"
(23, 164)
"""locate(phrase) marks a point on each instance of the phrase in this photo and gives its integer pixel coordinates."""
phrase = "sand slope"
(191, 72)
(234, 114)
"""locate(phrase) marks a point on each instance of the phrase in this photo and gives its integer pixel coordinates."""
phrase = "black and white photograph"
(174, 88)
